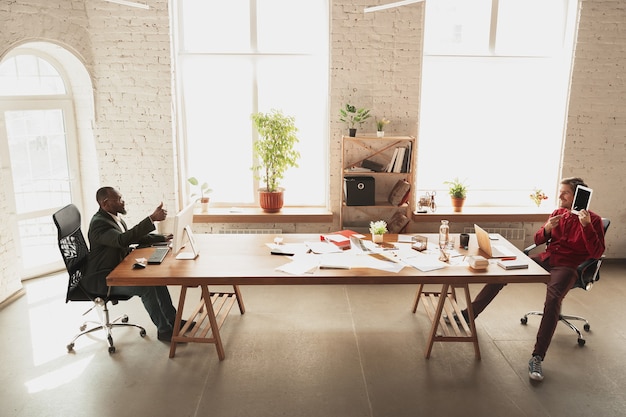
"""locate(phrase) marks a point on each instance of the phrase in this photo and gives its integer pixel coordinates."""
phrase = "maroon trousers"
(562, 280)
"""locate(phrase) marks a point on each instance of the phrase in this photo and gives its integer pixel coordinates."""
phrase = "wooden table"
(234, 260)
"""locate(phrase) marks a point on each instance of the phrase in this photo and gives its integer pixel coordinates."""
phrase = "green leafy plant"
(378, 228)
(275, 147)
(352, 116)
(203, 188)
(456, 188)
(380, 124)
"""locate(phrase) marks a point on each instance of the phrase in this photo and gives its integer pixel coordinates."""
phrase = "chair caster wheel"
(581, 342)
(125, 319)
(524, 320)
(70, 348)
(587, 327)
(142, 333)
(111, 349)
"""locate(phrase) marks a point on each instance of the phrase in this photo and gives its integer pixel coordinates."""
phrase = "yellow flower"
(380, 124)
(538, 196)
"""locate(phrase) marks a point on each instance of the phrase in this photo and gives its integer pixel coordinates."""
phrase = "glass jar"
(444, 239)
(444, 234)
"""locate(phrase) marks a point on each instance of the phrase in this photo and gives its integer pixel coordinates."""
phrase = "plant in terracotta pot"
(275, 151)
(458, 192)
(352, 116)
(202, 192)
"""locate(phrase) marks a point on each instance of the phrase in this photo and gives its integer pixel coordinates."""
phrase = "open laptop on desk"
(492, 251)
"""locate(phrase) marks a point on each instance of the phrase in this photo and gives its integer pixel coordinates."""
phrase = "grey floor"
(316, 351)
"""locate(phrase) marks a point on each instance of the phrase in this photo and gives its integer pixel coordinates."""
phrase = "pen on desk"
(508, 258)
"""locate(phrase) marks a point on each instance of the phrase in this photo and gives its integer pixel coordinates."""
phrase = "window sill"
(485, 214)
(256, 215)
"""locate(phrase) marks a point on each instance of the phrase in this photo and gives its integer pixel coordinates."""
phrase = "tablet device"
(582, 197)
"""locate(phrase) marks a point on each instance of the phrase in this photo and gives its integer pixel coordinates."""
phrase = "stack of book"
(401, 159)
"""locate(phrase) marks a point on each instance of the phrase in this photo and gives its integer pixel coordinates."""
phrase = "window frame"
(480, 195)
(182, 140)
(64, 103)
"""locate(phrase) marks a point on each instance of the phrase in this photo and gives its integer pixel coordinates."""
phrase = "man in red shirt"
(573, 239)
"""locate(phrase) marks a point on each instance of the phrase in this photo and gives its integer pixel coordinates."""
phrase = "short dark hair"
(573, 182)
(102, 194)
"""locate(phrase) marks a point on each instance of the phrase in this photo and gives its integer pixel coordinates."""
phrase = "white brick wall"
(595, 146)
(375, 63)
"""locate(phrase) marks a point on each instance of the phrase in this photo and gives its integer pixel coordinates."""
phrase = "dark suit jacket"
(109, 245)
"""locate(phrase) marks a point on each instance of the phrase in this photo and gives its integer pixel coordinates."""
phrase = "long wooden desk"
(234, 260)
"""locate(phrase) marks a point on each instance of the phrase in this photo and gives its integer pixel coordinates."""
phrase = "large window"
(237, 57)
(38, 144)
(494, 97)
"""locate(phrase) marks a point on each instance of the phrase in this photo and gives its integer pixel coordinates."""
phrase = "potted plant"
(203, 191)
(538, 196)
(378, 229)
(352, 116)
(458, 191)
(275, 152)
(380, 127)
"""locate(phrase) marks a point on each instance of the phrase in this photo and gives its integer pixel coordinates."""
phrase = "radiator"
(516, 236)
(249, 231)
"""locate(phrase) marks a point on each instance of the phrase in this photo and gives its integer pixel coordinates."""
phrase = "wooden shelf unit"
(355, 150)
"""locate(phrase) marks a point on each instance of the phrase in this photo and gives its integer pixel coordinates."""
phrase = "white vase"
(377, 238)
(380, 133)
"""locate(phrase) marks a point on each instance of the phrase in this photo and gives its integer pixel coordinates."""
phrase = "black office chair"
(588, 274)
(75, 253)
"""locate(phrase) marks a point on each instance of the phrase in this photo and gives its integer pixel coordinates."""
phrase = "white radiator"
(516, 236)
(249, 231)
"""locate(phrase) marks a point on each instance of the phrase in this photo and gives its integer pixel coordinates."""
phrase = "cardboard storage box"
(359, 191)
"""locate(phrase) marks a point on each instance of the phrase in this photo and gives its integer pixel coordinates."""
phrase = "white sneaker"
(534, 368)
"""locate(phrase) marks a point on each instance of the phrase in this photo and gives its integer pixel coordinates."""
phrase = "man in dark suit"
(110, 240)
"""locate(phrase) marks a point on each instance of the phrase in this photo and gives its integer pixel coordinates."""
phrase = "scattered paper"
(323, 247)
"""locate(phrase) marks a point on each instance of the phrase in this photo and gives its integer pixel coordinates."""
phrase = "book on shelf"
(393, 160)
(397, 165)
(372, 165)
(400, 160)
(406, 162)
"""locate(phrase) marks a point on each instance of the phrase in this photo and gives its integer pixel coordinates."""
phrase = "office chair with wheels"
(75, 253)
(588, 274)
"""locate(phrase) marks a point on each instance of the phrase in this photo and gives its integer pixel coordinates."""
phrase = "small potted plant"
(538, 196)
(378, 229)
(203, 191)
(380, 127)
(275, 152)
(458, 192)
(352, 116)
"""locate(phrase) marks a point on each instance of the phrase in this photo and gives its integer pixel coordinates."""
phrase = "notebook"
(512, 264)
(492, 251)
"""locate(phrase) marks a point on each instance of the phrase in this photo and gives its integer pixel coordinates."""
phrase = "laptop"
(492, 251)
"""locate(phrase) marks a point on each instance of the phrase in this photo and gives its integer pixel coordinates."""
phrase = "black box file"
(359, 191)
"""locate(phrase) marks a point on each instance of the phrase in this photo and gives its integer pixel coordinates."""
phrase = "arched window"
(38, 149)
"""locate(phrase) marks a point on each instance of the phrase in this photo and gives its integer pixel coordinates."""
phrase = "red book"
(340, 238)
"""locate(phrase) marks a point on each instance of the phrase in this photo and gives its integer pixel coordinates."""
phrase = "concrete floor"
(316, 351)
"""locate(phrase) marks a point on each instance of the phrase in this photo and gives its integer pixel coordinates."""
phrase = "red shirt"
(570, 242)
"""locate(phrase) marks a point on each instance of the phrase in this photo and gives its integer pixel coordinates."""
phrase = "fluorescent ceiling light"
(390, 5)
(130, 3)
